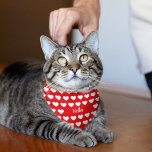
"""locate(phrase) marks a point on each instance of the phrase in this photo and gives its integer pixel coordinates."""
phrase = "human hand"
(84, 17)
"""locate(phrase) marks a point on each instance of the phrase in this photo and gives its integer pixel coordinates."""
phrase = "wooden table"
(130, 119)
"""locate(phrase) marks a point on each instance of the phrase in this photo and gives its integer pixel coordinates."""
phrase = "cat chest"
(75, 108)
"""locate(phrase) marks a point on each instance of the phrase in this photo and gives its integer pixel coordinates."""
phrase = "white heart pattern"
(91, 101)
(72, 124)
(76, 109)
(48, 102)
(95, 105)
(93, 94)
(85, 122)
(80, 116)
(53, 110)
(65, 118)
(80, 97)
(55, 104)
(58, 97)
(63, 104)
(65, 98)
(87, 114)
(71, 104)
(78, 103)
(46, 89)
(78, 123)
(50, 96)
(97, 99)
(86, 95)
(84, 102)
(73, 97)
(53, 90)
(73, 117)
(60, 111)
(93, 112)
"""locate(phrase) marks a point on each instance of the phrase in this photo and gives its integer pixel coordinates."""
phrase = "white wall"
(116, 49)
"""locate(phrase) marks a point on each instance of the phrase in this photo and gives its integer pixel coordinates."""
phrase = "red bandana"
(75, 108)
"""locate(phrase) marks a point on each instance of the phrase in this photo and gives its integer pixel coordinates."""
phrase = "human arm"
(84, 15)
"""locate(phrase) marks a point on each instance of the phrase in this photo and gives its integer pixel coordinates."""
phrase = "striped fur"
(24, 109)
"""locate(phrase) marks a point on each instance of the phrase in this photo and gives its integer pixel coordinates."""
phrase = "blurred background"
(23, 21)
(22, 24)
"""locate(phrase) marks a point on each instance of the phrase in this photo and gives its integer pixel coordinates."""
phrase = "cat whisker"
(95, 79)
(106, 83)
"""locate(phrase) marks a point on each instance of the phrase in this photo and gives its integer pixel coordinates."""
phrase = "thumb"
(85, 32)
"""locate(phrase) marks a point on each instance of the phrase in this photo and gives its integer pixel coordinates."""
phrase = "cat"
(72, 69)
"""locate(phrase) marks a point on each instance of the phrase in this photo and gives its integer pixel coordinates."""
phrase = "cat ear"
(48, 46)
(92, 41)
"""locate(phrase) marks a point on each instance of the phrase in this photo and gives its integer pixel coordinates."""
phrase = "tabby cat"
(73, 68)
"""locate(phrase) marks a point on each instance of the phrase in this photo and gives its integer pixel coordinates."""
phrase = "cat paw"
(84, 139)
(104, 135)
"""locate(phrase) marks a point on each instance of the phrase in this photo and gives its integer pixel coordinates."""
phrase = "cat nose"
(74, 70)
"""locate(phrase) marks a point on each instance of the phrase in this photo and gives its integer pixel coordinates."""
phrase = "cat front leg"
(98, 127)
(65, 133)
(50, 129)
(101, 132)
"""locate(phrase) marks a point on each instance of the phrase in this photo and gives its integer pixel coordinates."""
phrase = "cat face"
(72, 67)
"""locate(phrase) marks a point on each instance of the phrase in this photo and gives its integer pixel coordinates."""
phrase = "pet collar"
(75, 108)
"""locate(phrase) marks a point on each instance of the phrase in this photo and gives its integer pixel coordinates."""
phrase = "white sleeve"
(141, 31)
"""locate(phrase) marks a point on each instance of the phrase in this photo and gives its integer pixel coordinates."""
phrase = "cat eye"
(83, 58)
(62, 60)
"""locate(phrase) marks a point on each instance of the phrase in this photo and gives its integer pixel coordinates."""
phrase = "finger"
(51, 24)
(64, 27)
(55, 22)
(62, 40)
(63, 31)
(86, 30)
(59, 27)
